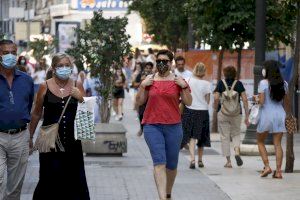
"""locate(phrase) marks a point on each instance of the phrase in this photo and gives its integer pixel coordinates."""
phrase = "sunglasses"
(162, 61)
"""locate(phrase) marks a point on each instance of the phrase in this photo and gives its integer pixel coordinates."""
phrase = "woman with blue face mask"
(21, 64)
(62, 172)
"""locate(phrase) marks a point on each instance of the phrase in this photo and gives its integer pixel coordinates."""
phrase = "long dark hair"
(276, 82)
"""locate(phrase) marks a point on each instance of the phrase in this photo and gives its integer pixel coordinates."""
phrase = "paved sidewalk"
(244, 183)
(130, 177)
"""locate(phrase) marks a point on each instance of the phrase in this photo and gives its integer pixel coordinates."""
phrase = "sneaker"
(120, 118)
(114, 113)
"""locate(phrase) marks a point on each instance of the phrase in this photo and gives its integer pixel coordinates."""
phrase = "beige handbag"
(48, 137)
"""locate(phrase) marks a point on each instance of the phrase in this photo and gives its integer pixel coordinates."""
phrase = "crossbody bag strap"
(64, 110)
(66, 105)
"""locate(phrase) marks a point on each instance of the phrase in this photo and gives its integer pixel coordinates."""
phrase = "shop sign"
(103, 4)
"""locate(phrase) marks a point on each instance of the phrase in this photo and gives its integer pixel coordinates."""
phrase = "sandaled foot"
(169, 196)
(200, 164)
(277, 174)
(239, 160)
(192, 164)
(228, 165)
(265, 172)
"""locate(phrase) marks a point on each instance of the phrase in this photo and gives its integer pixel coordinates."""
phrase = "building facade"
(53, 16)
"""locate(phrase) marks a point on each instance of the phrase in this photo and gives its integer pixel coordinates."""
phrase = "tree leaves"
(42, 47)
(165, 19)
(102, 45)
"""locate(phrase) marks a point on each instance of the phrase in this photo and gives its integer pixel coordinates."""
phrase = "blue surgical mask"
(9, 61)
(63, 73)
(23, 62)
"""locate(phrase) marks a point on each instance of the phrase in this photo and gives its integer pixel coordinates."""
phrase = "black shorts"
(118, 93)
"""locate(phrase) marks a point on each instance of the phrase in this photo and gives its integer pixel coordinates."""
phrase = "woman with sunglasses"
(162, 120)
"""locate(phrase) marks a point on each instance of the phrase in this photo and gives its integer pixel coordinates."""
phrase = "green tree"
(290, 156)
(42, 47)
(102, 45)
(165, 19)
(227, 26)
(2, 36)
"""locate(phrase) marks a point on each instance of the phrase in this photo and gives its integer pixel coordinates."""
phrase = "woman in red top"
(162, 120)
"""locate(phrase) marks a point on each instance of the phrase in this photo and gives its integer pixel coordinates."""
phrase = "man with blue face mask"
(16, 97)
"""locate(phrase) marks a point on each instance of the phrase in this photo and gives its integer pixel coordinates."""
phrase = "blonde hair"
(57, 57)
(199, 70)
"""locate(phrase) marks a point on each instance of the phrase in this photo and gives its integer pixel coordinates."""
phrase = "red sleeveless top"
(163, 103)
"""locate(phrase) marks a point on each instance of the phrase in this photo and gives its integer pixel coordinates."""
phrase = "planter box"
(110, 140)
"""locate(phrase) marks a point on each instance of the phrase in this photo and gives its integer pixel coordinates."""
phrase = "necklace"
(62, 86)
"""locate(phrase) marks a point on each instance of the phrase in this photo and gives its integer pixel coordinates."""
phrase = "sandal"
(228, 165)
(277, 175)
(239, 160)
(192, 164)
(265, 172)
(168, 196)
(200, 164)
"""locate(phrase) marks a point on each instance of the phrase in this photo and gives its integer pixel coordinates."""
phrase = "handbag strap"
(66, 105)
(64, 110)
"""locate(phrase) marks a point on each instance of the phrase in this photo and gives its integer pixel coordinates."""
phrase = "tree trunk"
(290, 157)
(214, 127)
(104, 109)
(297, 58)
(239, 64)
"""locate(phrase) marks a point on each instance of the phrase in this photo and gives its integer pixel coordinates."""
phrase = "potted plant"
(102, 45)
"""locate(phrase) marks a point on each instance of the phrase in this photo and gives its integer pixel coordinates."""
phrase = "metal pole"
(28, 23)
(260, 49)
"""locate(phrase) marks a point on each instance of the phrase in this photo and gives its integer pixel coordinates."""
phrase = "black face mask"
(162, 68)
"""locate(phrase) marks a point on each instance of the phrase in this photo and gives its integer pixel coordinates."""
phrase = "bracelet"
(185, 87)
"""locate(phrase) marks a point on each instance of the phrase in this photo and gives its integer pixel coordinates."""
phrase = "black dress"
(62, 174)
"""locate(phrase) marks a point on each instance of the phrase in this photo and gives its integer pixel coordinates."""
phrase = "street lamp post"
(28, 23)
(248, 146)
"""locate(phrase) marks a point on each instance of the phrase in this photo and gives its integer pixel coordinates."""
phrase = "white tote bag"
(254, 114)
(84, 126)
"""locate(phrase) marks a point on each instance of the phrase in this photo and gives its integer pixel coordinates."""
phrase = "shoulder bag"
(291, 124)
(48, 137)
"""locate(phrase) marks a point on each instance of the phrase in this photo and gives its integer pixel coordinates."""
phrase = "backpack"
(230, 100)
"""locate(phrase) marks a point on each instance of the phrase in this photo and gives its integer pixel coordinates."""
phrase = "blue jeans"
(164, 142)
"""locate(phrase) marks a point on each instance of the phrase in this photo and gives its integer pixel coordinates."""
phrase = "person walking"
(162, 120)
(195, 119)
(21, 64)
(230, 90)
(272, 94)
(16, 97)
(147, 70)
(62, 174)
(39, 75)
(119, 94)
(180, 69)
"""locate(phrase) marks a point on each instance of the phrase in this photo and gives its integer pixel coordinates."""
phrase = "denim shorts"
(164, 142)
